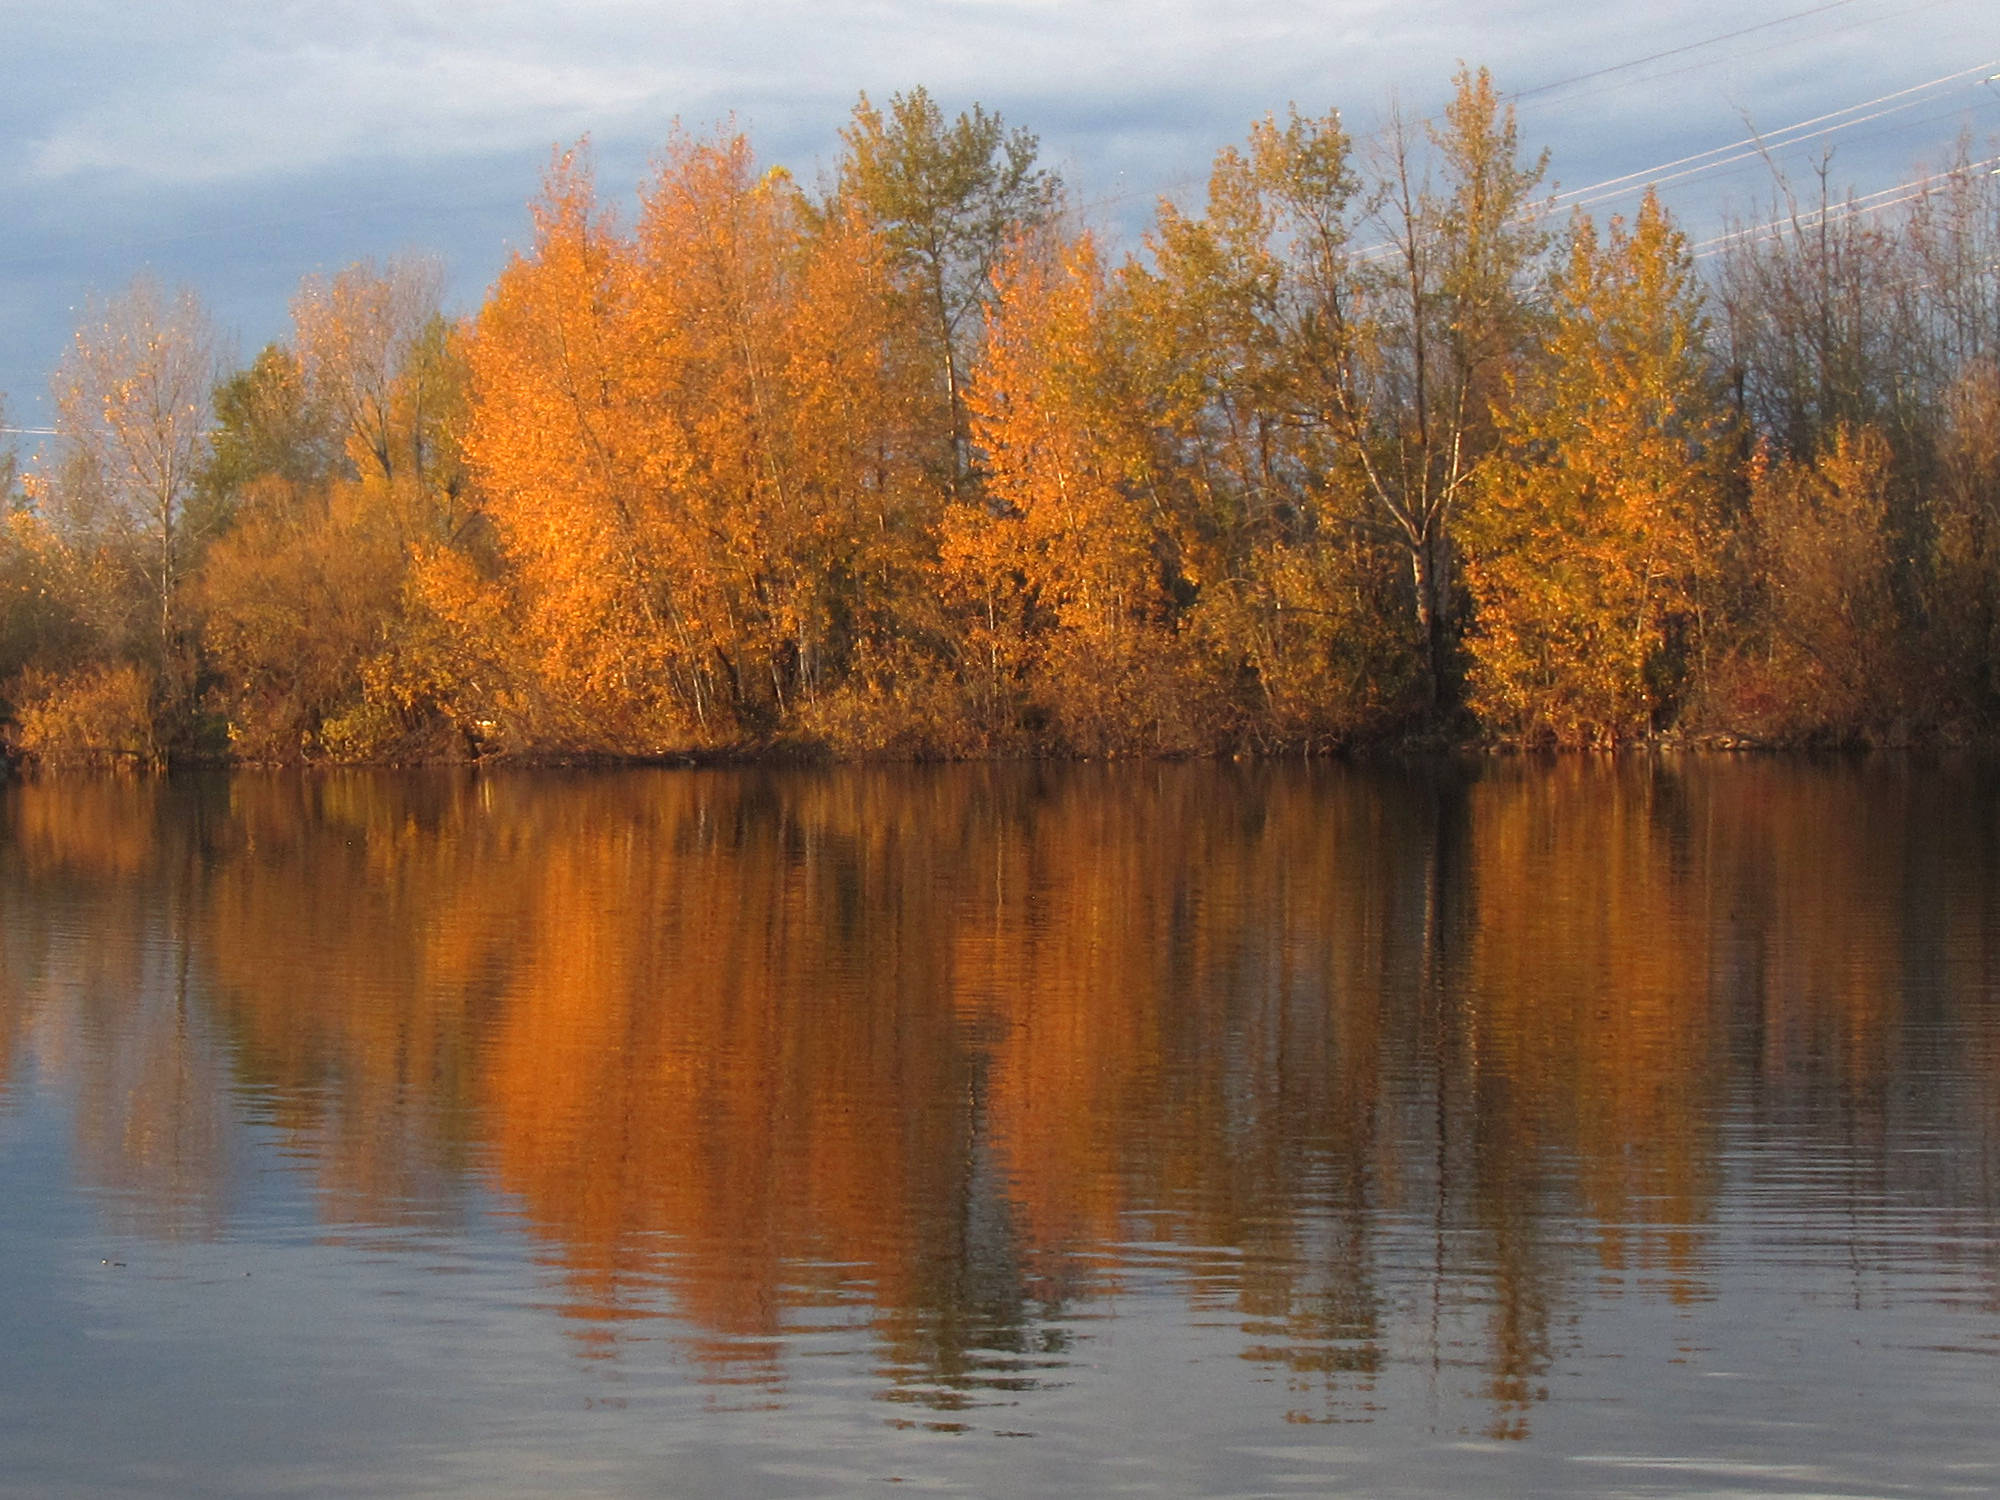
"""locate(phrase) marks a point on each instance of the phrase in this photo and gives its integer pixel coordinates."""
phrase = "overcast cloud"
(235, 149)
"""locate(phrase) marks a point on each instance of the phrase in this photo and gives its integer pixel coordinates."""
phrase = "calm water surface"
(1184, 1130)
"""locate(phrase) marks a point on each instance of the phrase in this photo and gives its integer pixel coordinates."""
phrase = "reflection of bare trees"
(101, 984)
(1378, 1066)
(154, 1127)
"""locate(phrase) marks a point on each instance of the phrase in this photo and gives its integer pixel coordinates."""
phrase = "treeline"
(1364, 450)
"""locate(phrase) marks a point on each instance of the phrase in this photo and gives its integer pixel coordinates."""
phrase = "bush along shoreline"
(915, 466)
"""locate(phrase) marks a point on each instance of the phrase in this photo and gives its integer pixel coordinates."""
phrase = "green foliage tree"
(340, 473)
(270, 432)
(947, 197)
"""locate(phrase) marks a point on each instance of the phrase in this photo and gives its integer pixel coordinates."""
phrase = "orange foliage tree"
(693, 443)
(904, 465)
(551, 439)
(1069, 550)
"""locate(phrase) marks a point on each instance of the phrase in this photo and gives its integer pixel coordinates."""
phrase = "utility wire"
(1849, 208)
(1750, 148)
(1640, 62)
(1740, 54)
(1788, 135)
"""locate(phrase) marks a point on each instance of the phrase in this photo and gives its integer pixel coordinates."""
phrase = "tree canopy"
(1355, 448)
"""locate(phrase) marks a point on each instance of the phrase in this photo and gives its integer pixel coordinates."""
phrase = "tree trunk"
(1430, 572)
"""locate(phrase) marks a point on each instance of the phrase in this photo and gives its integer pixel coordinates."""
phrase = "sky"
(234, 149)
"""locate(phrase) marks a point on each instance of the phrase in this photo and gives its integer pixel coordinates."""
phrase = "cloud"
(214, 97)
(235, 147)
(204, 91)
(287, 110)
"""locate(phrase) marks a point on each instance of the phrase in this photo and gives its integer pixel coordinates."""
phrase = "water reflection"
(1376, 1072)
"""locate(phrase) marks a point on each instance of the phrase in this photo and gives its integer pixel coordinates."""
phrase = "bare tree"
(358, 332)
(133, 406)
(1442, 313)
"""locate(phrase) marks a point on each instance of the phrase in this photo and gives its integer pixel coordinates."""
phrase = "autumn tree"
(904, 463)
(1586, 550)
(1964, 573)
(298, 599)
(1823, 654)
(1070, 525)
(52, 599)
(73, 614)
(77, 595)
(1840, 318)
(37, 620)
(270, 433)
(340, 470)
(1247, 328)
(1446, 317)
(696, 443)
(736, 523)
(358, 331)
(948, 197)
(792, 504)
(868, 641)
(555, 440)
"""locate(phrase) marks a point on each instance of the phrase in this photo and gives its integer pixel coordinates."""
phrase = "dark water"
(1590, 1129)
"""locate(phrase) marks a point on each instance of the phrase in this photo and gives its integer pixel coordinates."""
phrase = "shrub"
(94, 716)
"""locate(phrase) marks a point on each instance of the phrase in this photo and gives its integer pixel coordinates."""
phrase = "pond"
(1586, 1127)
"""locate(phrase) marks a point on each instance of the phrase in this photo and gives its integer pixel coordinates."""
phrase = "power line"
(1851, 208)
(1750, 148)
(1738, 55)
(1755, 145)
(1640, 62)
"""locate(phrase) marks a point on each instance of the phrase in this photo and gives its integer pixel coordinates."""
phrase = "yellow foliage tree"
(296, 598)
(307, 598)
(1248, 331)
(1586, 552)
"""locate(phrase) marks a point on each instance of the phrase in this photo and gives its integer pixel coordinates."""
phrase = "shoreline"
(1406, 750)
